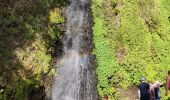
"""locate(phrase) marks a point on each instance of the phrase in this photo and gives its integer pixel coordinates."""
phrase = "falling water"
(75, 79)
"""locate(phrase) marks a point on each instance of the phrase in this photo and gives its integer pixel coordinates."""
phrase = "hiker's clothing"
(157, 93)
(151, 91)
(144, 91)
(156, 90)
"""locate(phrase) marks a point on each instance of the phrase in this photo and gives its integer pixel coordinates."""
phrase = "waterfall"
(75, 79)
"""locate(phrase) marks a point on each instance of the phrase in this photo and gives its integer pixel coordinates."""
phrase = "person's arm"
(167, 85)
(138, 93)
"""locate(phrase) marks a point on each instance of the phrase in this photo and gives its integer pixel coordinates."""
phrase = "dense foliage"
(131, 37)
(27, 32)
(131, 40)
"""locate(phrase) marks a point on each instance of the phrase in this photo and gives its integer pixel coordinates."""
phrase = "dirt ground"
(129, 94)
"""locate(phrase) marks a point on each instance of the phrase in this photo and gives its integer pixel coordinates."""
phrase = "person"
(144, 90)
(156, 90)
(167, 83)
(151, 90)
(106, 97)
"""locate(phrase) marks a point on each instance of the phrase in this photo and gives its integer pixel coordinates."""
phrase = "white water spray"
(75, 78)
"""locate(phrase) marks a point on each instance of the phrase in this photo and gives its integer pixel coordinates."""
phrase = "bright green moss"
(142, 41)
(103, 31)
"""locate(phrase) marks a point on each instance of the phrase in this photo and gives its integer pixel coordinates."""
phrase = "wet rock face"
(86, 47)
(76, 79)
(86, 43)
(88, 80)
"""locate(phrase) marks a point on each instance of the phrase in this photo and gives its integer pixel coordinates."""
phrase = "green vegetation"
(131, 40)
(104, 40)
(131, 37)
(28, 31)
